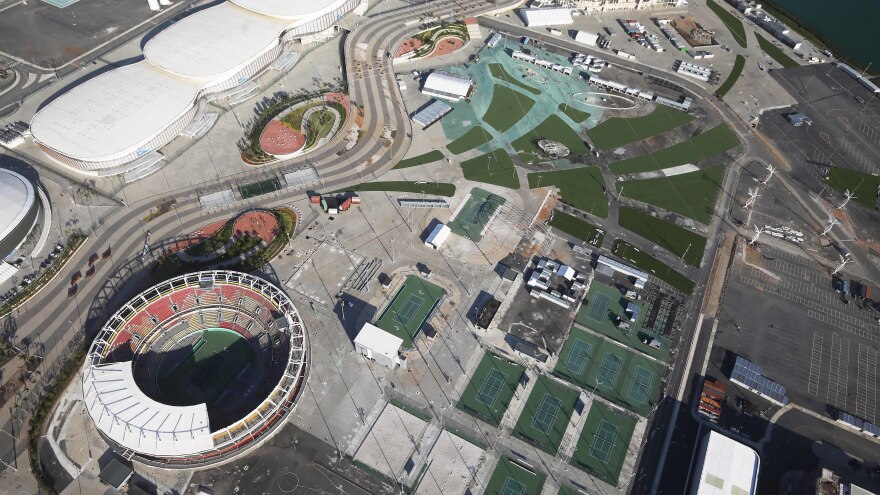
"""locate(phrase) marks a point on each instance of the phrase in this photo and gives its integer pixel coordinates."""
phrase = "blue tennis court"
(579, 356)
(491, 387)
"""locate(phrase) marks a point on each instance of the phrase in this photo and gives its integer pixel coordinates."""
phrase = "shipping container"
(345, 204)
(315, 198)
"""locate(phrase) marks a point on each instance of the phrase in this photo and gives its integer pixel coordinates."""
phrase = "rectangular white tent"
(379, 345)
(726, 467)
(437, 236)
(586, 38)
(546, 17)
(447, 86)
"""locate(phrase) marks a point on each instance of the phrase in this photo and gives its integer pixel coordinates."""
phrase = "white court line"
(837, 375)
(866, 386)
(815, 365)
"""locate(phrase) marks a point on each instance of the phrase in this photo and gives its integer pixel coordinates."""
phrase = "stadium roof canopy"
(18, 199)
(728, 467)
(124, 413)
(215, 42)
(546, 17)
(287, 9)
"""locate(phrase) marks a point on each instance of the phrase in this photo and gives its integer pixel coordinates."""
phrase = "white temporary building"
(546, 17)
(586, 38)
(125, 414)
(447, 86)
(438, 236)
(726, 467)
(379, 345)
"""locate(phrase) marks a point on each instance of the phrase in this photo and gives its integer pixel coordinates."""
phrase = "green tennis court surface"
(202, 374)
(604, 442)
(490, 389)
(511, 478)
(545, 416)
(476, 213)
(619, 375)
(410, 308)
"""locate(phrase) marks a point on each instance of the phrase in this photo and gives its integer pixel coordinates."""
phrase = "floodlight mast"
(753, 195)
(847, 196)
(758, 233)
(770, 171)
(844, 260)
(831, 223)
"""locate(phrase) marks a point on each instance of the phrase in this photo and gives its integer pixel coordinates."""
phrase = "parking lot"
(824, 351)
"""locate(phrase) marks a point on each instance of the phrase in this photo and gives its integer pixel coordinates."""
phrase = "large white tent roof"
(18, 198)
(214, 42)
(115, 113)
(288, 9)
(445, 83)
(546, 17)
(124, 413)
(378, 340)
(729, 467)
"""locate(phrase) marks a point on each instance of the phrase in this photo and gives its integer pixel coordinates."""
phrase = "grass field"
(202, 375)
(498, 72)
(545, 417)
(258, 188)
(862, 184)
(619, 375)
(733, 77)
(681, 242)
(435, 188)
(577, 228)
(410, 308)
(713, 142)
(494, 167)
(490, 389)
(415, 161)
(506, 108)
(573, 113)
(734, 25)
(602, 323)
(618, 131)
(475, 214)
(510, 478)
(692, 194)
(583, 188)
(652, 265)
(775, 52)
(604, 443)
(553, 127)
(475, 136)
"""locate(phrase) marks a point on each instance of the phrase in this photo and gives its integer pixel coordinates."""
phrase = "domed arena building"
(19, 212)
(116, 122)
(196, 370)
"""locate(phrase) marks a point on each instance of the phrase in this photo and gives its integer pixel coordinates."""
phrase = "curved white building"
(103, 126)
(18, 215)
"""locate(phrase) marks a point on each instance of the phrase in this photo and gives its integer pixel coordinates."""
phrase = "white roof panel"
(214, 42)
(546, 17)
(124, 413)
(18, 197)
(440, 81)
(289, 9)
(114, 113)
(378, 340)
(729, 467)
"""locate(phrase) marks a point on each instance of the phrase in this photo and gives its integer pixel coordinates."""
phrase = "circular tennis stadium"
(196, 370)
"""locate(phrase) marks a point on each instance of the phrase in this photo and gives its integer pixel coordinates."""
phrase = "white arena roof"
(18, 198)
(215, 42)
(133, 420)
(288, 9)
(114, 113)
(728, 467)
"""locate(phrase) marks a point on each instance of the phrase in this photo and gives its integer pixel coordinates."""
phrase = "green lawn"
(731, 21)
(475, 136)
(545, 417)
(692, 194)
(618, 131)
(511, 478)
(405, 315)
(710, 143)
(679, 241)
(735, 72)
(487, 401)
(650, 264)
(506, 108)
(583, 188)
(494, 167)
(862, 184)
(603, 367)
(498, 72)
(775, 52)
(604, 443)
(577, 228)
(415, 161)
(573, 113)
(553, 127)
(437, 188)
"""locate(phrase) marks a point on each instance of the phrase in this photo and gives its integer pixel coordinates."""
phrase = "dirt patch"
(692, 32)
(447, 45)
(278, 139)
(260, 223)
(408, 46)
